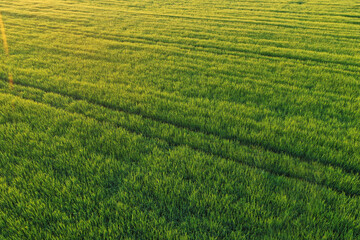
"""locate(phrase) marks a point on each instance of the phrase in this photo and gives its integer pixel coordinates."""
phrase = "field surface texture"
(186, 119)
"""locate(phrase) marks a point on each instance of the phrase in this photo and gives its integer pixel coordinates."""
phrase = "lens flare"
(6, 49)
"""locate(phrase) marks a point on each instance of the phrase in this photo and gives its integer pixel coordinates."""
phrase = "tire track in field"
(171, 147)
(173, 143)
(284, 87)
(242, 8)
(262, 19)
(237, 160)
(288, 86)
(237, 21)
(190, 29)
(215, 20)
(181, 126)
(301, 155)
(185, 43)
(227, 51)
(300, 16)
(230, 20)
(6, 48)
(179, 99)
(95, 57)
(217, 51)
(230, 76)
(300, 13)
(233, 50)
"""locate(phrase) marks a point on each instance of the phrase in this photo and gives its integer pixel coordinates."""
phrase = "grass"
(180, 120)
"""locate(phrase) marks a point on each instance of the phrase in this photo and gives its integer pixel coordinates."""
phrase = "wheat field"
(188, 119)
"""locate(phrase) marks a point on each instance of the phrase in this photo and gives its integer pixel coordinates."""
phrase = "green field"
(180, 119)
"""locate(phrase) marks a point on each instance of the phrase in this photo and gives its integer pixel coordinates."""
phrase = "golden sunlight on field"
(180, 119)
(6, 48)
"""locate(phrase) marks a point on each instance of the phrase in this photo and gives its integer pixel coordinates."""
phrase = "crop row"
(141, 99)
